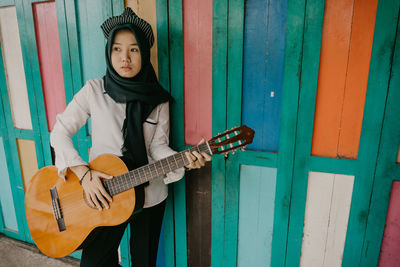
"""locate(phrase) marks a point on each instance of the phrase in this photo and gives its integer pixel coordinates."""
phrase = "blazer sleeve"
(159, 146)
(67, 124)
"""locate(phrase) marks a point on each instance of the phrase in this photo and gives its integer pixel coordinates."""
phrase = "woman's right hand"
(93, 187)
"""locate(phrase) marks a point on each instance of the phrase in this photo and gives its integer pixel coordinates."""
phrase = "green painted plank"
(333, 165)
(219, 105)
(309, 77)
(387, 169)
(177, 124)
(7, 3)
(164, 79)
(288, 125)
(379, 74)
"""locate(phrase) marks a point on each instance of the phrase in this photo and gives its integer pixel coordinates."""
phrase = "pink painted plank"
(390, 255)
(197, 58)
(48, 45)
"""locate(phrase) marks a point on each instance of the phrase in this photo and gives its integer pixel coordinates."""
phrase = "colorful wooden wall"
(317, 80)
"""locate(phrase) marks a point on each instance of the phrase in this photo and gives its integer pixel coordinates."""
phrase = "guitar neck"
(153, 170)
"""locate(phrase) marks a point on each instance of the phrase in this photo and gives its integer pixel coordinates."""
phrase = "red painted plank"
(48, 45)
(197, 58)
(390, 255)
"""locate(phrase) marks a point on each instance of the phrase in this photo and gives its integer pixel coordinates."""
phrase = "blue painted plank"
(6, 199)
(264, 43)
(256, 215)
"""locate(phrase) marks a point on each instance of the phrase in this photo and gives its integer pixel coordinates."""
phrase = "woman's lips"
(126, 68)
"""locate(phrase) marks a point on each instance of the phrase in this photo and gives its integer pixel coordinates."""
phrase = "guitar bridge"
(55, 202)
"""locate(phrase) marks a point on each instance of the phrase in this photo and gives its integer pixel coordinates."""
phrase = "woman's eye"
(116, 48)
(134, 50)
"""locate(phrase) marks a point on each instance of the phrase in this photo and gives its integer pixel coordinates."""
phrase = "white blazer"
(107, 118)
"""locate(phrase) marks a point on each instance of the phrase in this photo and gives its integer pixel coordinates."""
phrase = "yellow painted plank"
(27, 159)
(146, 9)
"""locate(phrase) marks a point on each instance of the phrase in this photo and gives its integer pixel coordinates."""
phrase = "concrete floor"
(14, 253)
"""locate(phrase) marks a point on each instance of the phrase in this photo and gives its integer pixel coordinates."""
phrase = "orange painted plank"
(197, 58)
(48, 44)
(398, 156)
(362, 35)
(332, 76)
(27, 159)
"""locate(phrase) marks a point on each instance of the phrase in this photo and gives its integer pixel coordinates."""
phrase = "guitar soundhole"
(87, 202)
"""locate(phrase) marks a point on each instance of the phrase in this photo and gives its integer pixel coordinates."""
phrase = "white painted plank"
(316, 219)
(338, 219)
(14, 68)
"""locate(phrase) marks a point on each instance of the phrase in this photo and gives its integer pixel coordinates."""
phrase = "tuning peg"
(233, 152)
(242, 148)
(226, 154)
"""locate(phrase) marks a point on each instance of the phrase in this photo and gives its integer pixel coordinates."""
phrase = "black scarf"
(141, 94)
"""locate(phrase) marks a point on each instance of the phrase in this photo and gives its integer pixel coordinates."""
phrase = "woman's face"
(125, 54)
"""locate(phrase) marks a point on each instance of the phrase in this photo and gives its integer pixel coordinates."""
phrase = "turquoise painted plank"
(290, 95)
(256, 215)
(251, 157)
(90, 15)
(81, 139)
(7, 3)
(386, 169)
(166, 247)
(219, 59)
(333, 165)
(6, 199)
(177, 125)
(24, 134)
(376, 97)
(309, 77)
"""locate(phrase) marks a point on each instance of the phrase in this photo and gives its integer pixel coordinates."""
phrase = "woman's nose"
(125, 57)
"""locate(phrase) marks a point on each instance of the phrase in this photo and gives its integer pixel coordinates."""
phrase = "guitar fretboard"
(150, 171)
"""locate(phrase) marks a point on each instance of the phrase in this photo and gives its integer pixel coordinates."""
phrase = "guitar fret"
(177, 166)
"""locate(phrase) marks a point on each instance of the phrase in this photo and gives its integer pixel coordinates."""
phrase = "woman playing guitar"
(129, 113)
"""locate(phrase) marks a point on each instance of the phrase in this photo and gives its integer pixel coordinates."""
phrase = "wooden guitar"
(59, 217)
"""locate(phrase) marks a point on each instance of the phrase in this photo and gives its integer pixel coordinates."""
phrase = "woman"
(130, 118)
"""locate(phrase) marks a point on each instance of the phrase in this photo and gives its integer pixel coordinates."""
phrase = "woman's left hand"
(197, 160)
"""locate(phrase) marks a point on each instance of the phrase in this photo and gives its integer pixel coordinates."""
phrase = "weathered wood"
(198, 216)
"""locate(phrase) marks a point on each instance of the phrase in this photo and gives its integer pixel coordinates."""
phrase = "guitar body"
(79, 218)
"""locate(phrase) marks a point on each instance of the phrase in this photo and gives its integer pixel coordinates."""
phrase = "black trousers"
(145, 234)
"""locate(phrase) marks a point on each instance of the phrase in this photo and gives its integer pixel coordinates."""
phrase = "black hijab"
(141, 93)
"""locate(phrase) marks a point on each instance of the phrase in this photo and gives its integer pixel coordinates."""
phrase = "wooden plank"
(263, 70)
(359, 58)
(91, 14)
(325, 223)
(6, 200)
(316, 218)
(305, 120)
(167, 235)
(177, 125)
(256, 215)
(389, 255)
(14, 67)
(197, 61)
(359, 246)
(198, 210)
(219, 67)
(386, 168)
(290, 95)
(146, 9)
(27, 159)
(335, 45)
(338, 219)
(48, 44)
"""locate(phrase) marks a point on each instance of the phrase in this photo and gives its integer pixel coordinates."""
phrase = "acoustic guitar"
(59, 217)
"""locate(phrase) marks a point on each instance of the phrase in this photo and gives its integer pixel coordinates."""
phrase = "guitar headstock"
(231, 140)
